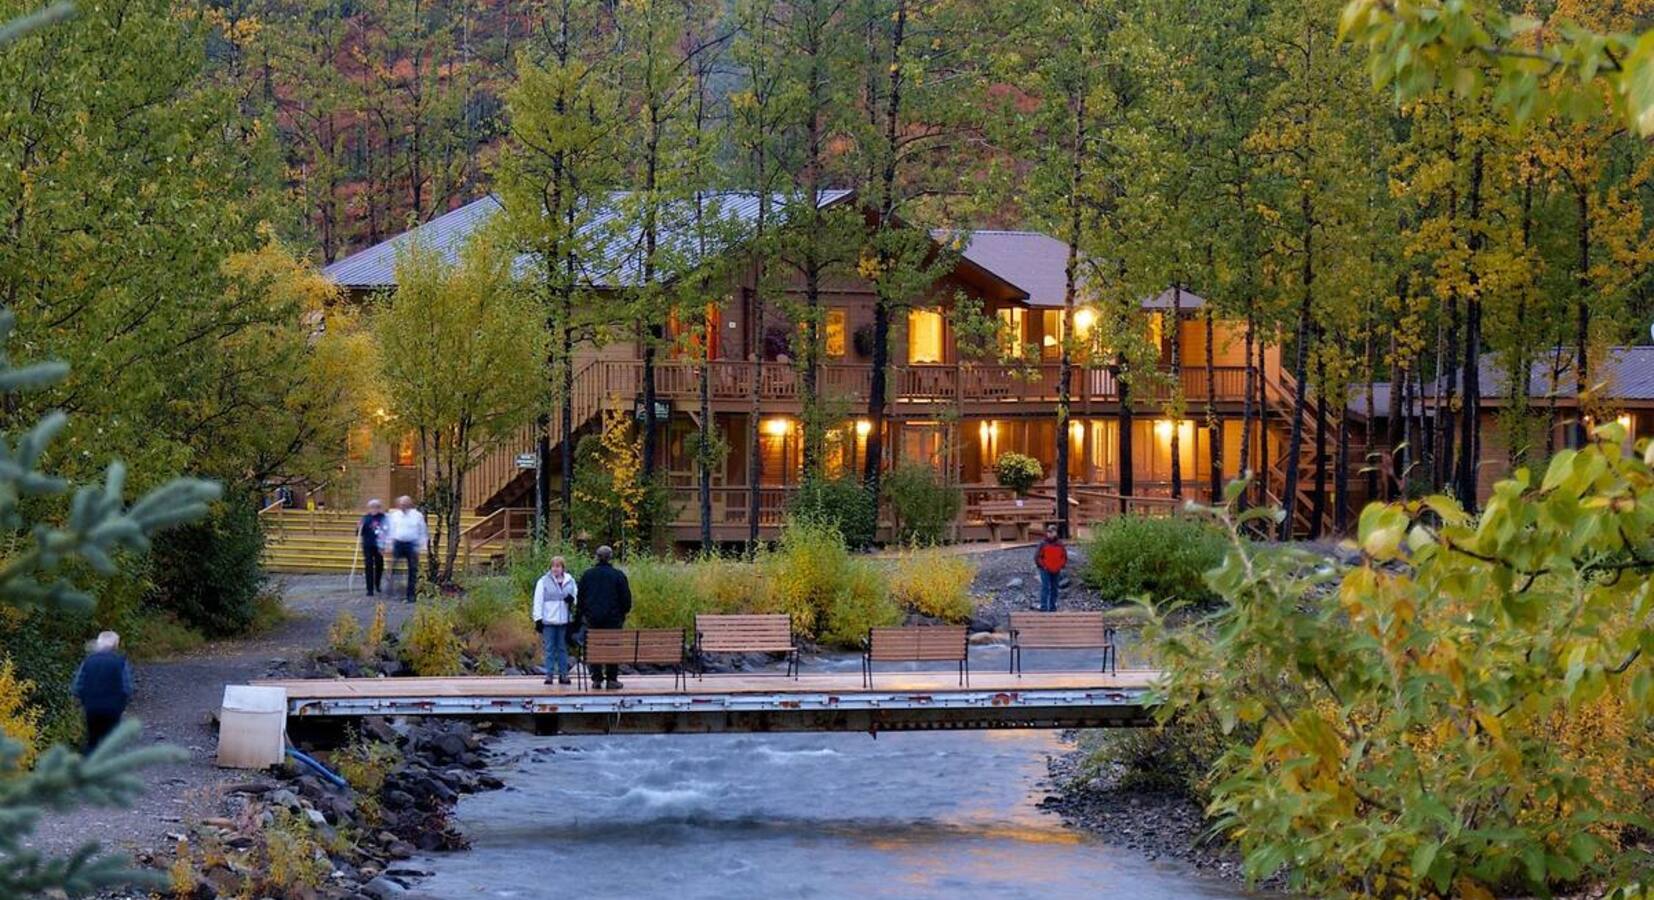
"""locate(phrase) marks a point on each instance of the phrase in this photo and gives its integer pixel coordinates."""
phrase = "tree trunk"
(1582, 314)
(1122, 381)
(1244, 465)
(565, 516)
(1318, 505)
(1300, 371)
(1176, 328)
(1470, 412)
(1070, 276)
(1214, 427)
(882, 311)
(1263, 426)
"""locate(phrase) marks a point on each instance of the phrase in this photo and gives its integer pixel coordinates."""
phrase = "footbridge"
(656, 704)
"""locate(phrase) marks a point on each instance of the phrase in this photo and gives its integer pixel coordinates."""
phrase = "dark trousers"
(373, 569)
(604, 673)
(98, 726)
(409, 551)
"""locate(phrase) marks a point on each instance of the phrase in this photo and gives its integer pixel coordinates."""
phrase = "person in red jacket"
(1050, 559)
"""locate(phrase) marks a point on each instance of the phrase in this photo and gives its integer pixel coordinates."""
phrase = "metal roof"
(1038, 263)
(1625, 374)
(375, 267)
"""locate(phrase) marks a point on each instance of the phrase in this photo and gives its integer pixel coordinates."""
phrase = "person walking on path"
(605, 599)
(103, 685)
(1050, 559)
(406, 527)
(554, 596)
(371, 531)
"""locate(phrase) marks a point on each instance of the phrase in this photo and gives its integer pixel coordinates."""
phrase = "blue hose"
(319, 769)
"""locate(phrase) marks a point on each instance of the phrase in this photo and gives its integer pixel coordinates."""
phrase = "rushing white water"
(949, 814)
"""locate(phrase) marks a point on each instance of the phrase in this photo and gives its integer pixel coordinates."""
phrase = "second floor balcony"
(734, 383)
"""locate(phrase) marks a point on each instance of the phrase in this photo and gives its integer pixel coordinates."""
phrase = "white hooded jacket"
(554, 601)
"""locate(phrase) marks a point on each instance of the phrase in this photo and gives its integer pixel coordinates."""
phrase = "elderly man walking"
(406, 527)
(371, 531)
(103, 685)
(605, 599)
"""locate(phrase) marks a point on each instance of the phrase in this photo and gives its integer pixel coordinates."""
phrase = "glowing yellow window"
(924, 336)
(405, 450)
(835, 332)
(1011, 334)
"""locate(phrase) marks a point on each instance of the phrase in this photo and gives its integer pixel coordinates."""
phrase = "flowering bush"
(1017, 472)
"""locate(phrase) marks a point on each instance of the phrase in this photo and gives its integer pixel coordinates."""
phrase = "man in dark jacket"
(605, 597)
(103, 685)
(371, 530)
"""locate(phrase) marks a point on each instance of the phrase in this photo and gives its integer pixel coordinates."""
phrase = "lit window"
(1011, 332)
(924, 336)
(835, 332)
(405, 450)
(1084, 318)
(1051, 326)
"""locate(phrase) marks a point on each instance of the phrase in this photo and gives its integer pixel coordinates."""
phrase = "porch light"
(1625, 421)
(777, 427)
(987, 431)
(863, 427)
(1076, 430)
(1084, 318)
(1163, 429)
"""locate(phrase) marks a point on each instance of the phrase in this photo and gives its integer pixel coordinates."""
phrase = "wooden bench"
(1033, 511)
(636, 647)
(745, 634)
(924, 643)
(1062, 631)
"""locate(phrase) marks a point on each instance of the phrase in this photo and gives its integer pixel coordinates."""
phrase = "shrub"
(924, 507)
(1463, 713)
(934, 584)
(613, 503)
(295, 862)
(374, 640)
(208, 573)
(1017, 472)
(726, 585)
(1164, 559)
(860, 602)
(18, 720)
(663, 596)
(489, 600)
(159, 635)
(1175, 758)
(804, 573)
(344, 636)
(841, 503)
(269, 613)
(525, 565)
(431, 642)
(366, 765)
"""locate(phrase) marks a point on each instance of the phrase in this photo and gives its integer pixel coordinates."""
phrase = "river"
(786, 815)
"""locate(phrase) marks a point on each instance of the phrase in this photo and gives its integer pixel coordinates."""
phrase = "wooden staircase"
(1281, 396)
(322, 540)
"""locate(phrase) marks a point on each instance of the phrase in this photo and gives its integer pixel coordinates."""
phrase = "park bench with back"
(1031, 511)
(923, 643)
(1062, 631)
(768, 633)
(637, 647)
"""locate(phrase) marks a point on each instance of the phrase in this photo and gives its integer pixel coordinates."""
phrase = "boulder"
(383, 888)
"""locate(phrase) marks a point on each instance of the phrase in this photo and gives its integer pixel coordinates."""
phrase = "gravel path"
(175, 699)
(1006, 580)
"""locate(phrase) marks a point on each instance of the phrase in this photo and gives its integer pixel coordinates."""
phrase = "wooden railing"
(495, 534)
(497, 467)
(679, 380)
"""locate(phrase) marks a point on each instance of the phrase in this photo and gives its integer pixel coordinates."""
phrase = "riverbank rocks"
(354, 847)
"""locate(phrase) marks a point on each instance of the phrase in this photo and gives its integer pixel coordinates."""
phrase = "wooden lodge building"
(942, 412)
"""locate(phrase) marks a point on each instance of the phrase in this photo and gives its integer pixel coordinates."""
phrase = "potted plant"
(1018, 472)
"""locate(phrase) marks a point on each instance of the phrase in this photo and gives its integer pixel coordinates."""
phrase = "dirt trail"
(175, 698)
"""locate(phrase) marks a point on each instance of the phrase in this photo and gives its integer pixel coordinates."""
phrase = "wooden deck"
(898, 700)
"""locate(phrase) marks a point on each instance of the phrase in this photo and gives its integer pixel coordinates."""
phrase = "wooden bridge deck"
(898, 700)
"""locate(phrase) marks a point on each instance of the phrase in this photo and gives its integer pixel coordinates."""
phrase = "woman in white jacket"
(554, 597)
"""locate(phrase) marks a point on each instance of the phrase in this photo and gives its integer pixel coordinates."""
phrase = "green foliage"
(208, 573)
(1163, 558)
(1178, 757)
(613, 503)
(804, 573)
(431, 643)
(525, 564)
(839, 503)
(664, 594)
(1465, 712)
(860, 601)
(365, 765)
(934, 584)
(1018, 472)
(344, 636)
(460, 351)
(925, 507)
(496, 620)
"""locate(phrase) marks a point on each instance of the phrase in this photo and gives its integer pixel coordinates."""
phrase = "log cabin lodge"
(943, 412)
